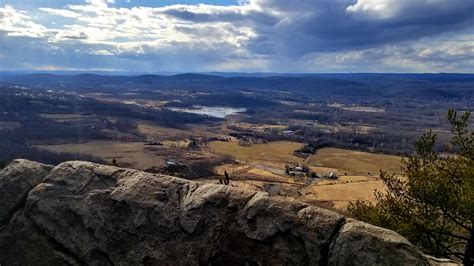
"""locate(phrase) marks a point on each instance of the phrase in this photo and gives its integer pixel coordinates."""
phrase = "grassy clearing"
(275, 154)
(355, 162)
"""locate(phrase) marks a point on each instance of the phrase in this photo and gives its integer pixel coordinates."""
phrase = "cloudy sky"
(238, 35)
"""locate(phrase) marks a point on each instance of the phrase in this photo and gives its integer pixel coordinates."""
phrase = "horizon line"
(172, 73)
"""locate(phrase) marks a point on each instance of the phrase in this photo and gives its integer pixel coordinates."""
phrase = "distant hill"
(427, 94)
(390, 85)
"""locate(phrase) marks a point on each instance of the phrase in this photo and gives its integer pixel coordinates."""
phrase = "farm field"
(275, 154)
(355, 162)
(342, 193)
(128, 154)
(358, 184)
(260, 166)
(246, 172)
(165, 133)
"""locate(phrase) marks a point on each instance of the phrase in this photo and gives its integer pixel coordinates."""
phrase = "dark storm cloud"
(322, 26)
(232, 14)
(294, 28)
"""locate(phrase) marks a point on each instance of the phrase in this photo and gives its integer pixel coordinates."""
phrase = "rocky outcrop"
(84, 213)
(16, 180)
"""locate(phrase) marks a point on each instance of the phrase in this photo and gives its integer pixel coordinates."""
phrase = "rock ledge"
(83, 213)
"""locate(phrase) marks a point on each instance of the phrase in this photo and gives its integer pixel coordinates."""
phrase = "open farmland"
(260, 165)
(355, 162)
(165, 133)
(260, 162)
(342, 193)
(275, 154)
(246, 172)
(129, 154)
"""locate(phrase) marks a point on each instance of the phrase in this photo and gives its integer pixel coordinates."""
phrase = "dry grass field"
(165, 133)
(275, 154)
(346, 179)
(135, 155)
(130, 154)
(260, 166)
(245, 172)
(356, 185)
(355, 162)
(343, 193)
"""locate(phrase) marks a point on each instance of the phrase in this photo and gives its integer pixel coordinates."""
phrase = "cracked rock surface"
(82, 213)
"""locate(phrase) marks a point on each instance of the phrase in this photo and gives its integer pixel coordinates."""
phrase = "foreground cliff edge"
(83, 213)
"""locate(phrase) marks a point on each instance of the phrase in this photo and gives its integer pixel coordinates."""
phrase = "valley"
(321, 139)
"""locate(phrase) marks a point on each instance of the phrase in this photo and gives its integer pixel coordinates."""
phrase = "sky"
(291, 36)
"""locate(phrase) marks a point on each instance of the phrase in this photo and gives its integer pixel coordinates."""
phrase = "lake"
(214, 111)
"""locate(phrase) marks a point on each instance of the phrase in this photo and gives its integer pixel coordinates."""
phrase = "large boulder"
(359, 243)
(84, 213)
(16, 180)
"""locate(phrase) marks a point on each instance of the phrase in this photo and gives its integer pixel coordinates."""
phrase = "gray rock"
(358, 243)
(84, 213)
(16, 180)
(22, 243)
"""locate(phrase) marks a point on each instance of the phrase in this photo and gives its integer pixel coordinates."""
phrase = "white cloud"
(377, 8)
(60, 12)
(18, 23)
(101, 52)
(100, 3)
(445, 53)
(412, 11)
